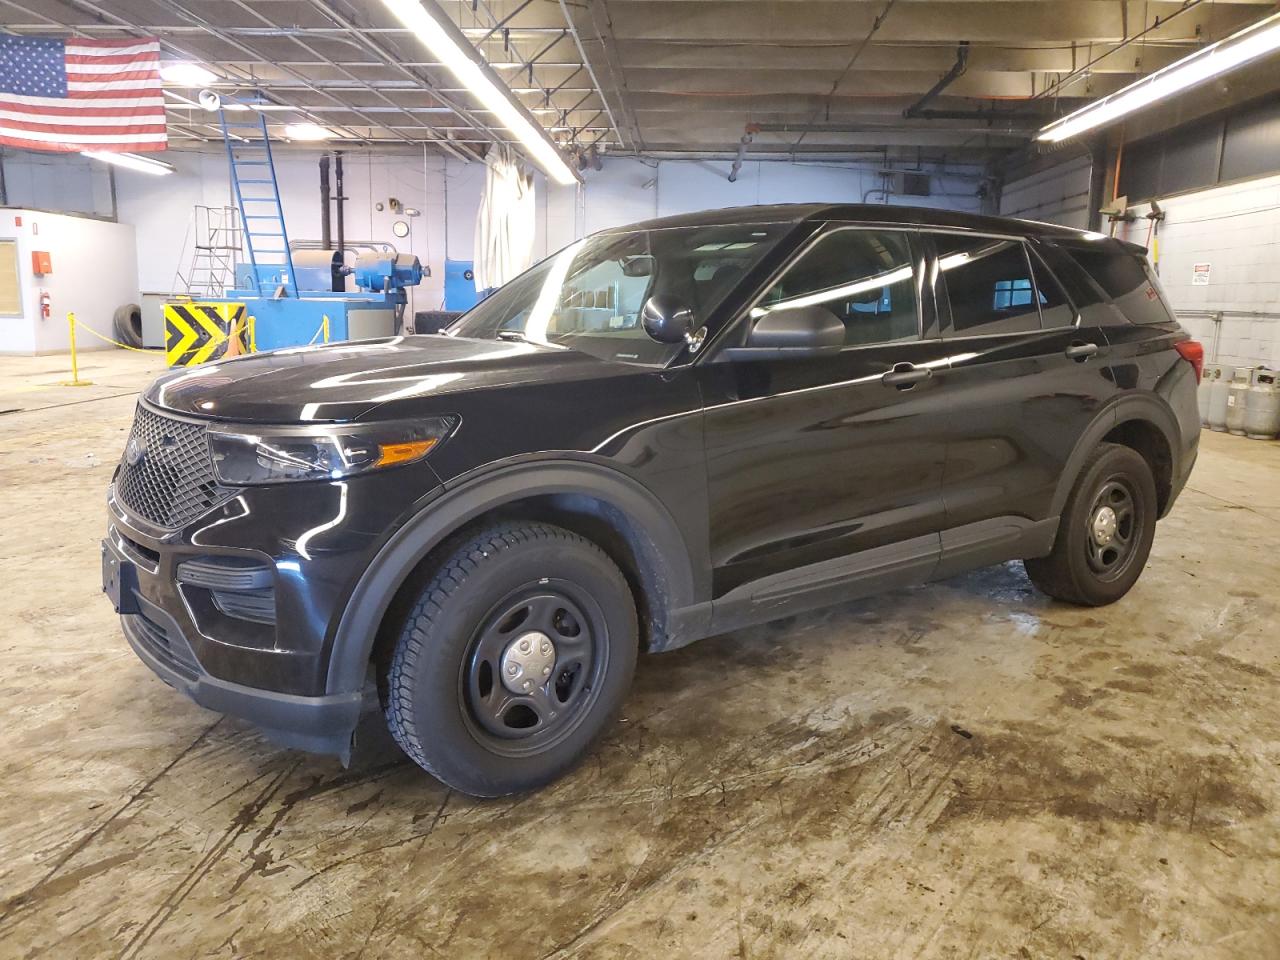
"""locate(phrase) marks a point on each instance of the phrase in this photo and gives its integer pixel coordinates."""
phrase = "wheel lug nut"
(546, 671)
(512, 669)
(524, 646)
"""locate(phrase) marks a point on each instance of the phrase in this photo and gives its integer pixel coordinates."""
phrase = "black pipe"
(342, 200)
(956, 71)
(325, 236)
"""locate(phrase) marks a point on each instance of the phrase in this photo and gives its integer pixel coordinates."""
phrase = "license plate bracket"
(119, 581)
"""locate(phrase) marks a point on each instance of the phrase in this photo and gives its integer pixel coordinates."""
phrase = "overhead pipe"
(957, 70)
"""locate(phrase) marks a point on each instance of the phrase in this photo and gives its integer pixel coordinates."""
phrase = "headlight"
(245, 455)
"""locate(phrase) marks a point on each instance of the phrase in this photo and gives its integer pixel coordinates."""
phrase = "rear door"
(1026, 377)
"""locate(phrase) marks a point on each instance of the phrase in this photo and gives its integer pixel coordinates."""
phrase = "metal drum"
(1238, 400)
(1262, 412)
(1219, 376)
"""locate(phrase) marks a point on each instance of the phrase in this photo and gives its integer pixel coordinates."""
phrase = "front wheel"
(1106, 531)
(514, 659)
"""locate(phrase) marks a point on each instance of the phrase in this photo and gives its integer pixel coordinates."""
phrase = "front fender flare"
(665, 547)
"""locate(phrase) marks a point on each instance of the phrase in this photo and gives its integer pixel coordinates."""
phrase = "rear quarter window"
(1130, 282)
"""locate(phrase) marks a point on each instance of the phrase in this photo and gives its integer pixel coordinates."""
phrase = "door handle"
(904, 376)
(1080, 352)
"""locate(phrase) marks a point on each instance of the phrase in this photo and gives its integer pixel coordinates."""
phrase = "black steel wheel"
(534, 668)
(513, 660)
(1105, 533)
(1114, 523)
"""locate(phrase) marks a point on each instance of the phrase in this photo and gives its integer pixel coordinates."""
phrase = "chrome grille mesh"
(170, 480)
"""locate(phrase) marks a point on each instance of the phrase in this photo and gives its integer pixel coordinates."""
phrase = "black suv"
(661, 432)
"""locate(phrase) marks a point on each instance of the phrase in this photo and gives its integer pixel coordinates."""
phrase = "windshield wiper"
(515, 335)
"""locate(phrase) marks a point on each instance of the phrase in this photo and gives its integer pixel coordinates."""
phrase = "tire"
(1085, 567)
(446, 701)
(127, 323)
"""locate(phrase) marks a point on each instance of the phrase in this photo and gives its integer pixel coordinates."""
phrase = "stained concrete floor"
(959, 770)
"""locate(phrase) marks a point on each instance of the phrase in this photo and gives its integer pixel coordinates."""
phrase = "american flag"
(77, 94)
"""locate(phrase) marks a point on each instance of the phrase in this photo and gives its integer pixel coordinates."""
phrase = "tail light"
(1193, 352)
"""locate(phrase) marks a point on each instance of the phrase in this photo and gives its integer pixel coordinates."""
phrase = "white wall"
(95, 270)
(1059, 194)
(1235, 229)
(628, 190)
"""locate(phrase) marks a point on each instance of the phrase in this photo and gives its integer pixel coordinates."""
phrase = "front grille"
(170, 481)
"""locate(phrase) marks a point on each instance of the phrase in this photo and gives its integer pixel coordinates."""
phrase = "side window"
(1056, 309)
(989, 285)
(865, 277)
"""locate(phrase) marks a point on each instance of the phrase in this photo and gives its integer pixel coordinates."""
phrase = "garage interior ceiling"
(894, 78)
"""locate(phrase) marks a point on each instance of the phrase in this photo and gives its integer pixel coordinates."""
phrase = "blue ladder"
(261, 215)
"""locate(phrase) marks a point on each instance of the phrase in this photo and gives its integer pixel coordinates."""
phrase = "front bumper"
(321, 724)
(239, 609)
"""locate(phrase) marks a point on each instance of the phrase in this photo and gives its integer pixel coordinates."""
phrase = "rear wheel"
(514, 659)
(1106, 531)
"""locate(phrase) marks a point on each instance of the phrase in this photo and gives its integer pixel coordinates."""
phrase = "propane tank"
(1237, 400)
(1262, 413)
(1207, 377)
(1219, 385)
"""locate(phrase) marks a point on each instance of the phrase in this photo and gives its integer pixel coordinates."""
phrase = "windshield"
(588, 296)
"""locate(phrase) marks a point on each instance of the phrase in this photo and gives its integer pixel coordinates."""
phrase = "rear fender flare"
(664, 548)
(1123, 410)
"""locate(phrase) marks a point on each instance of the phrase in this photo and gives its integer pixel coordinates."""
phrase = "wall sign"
(1200, 274)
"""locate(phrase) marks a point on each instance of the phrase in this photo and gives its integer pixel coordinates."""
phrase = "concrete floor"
(960, 770)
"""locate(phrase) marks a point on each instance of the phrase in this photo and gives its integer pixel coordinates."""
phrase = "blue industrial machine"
(300, 296)
(374, 309)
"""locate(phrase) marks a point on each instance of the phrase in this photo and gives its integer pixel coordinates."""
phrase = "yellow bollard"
(324, 325)
(253, 334)
(75, 380)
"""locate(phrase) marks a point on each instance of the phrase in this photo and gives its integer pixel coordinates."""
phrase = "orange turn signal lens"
(391, 454)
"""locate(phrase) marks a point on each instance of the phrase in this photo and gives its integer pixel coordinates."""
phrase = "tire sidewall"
(457, 755)
(1117, 463)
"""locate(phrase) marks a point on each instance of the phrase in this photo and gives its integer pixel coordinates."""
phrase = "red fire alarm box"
(41, 263)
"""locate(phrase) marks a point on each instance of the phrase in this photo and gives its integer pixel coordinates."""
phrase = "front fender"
(664, 548)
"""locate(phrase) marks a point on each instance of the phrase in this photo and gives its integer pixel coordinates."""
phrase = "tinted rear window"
(1128, 280)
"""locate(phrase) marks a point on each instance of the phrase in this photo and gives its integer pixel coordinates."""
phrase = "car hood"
(348, 381)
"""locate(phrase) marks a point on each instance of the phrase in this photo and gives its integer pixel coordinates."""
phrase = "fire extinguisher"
(46, 305)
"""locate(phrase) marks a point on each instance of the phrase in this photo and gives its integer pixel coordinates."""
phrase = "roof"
(857, 212)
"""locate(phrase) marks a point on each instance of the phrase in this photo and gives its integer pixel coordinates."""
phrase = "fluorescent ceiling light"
(130, 161)
(186, 74)
(1218, 58)
(306, 131)
(439, 38)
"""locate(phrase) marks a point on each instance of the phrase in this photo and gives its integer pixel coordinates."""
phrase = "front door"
(811, 463)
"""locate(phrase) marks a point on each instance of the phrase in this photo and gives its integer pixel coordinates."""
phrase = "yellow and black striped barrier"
(198, 332)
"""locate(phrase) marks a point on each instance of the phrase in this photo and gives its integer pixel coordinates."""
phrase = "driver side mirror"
(791, 333)
(667, 319)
